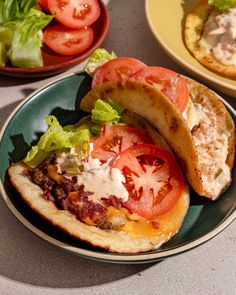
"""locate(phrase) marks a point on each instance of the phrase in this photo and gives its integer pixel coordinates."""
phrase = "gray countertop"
(28, 265)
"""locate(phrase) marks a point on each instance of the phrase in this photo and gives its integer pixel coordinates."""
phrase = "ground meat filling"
(68, 195)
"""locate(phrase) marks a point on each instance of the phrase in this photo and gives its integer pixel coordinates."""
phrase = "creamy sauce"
(103, 181)
(212, 149)
(191, 115)
(219, 37)
(99, 179)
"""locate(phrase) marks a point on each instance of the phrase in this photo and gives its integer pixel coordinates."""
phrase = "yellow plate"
(166, 20)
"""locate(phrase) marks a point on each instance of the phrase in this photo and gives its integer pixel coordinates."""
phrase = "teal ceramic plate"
(204, 220)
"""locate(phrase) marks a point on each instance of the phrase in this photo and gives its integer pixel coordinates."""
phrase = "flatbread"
(112, 240)
(157, 109)
(193, 30)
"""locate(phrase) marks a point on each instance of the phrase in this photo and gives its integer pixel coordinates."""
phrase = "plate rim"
(181, 62)
(145, 257)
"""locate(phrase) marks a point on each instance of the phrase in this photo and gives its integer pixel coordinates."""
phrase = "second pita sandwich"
(205, 149)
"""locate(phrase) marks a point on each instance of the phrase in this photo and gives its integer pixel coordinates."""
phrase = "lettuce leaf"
(25, 49)
(72, 137)
(223, 5)
(56, 138)
(96, 59)
(103, 112)
(21, 32)
(15, 9)
(3, 54)
(116, 106)
(26, 5)
(9, 10)
(6, 35)
(35, 156)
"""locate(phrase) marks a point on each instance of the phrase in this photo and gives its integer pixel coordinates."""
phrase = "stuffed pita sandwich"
(202, 136)
(190, 117)
(110, 180)
(209, 35)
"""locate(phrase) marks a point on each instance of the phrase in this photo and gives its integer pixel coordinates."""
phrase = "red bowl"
(55, 63)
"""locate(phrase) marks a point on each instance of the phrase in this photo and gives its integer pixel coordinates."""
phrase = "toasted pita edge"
(114, 241)
(193, 30)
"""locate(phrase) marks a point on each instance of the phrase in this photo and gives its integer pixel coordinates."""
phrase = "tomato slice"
(120, 68)
(154, 179)
(68, 41)
(75, 14)
(43, 4)
(115, 139)
(169, 82)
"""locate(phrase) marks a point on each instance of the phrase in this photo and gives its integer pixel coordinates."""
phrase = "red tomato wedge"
(120, 68)
(75, 14)
(115, 139)
(153, 179)
(43, 4)
(169, 82)
(68, 41)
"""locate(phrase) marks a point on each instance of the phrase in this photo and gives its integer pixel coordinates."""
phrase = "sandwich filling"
(212, 151)
(219, 36)
(116, 180)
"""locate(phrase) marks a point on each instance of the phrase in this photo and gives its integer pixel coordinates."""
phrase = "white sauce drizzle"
(97, 178)
(103, 180)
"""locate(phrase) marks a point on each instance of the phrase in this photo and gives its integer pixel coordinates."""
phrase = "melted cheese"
(137, 226)
(52, 172)
(140, 228)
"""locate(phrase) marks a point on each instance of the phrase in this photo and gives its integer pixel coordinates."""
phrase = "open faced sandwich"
(114, 179)
(210, 35)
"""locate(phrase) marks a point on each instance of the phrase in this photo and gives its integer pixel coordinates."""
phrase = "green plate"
(204, 220)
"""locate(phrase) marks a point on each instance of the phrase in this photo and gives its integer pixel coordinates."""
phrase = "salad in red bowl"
(38, 38)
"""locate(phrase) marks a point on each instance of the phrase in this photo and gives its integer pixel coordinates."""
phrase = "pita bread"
(193, 30)
(157, 109)
(112, 240)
